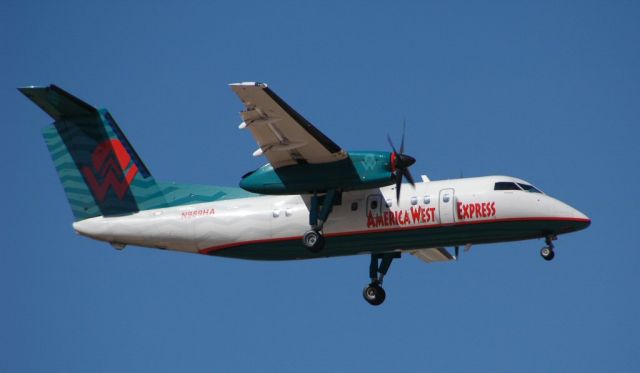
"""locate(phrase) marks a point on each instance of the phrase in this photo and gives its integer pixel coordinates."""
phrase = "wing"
(283, 135)
(436, 254)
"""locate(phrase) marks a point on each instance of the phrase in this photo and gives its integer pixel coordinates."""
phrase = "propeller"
(400, 164)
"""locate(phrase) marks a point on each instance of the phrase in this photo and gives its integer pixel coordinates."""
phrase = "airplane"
(312, 199)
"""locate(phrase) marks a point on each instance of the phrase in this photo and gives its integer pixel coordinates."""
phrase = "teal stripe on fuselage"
(187, 194)
(148, 193)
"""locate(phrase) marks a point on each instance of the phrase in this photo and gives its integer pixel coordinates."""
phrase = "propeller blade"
(407, 174)
(404, 125)
(401, 162)
(398, 186)
(391, 143)
(457, 252)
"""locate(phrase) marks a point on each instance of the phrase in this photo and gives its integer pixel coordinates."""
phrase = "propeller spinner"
(400, 164)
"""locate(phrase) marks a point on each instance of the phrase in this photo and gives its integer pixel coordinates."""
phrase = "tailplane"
(100, 171)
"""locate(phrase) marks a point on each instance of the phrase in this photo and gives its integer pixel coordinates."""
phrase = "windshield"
(505, 185)
(529, 188)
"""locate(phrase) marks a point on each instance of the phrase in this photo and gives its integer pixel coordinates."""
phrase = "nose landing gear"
(374, 294)
(547, 252)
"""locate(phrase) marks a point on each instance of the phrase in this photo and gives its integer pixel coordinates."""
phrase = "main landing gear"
(380, 263)
(547, 252)
(313, 238)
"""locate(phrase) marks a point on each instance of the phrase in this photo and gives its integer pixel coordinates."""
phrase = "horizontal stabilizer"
(58, 103)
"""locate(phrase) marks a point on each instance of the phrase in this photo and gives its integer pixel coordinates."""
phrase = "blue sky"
(547, 91)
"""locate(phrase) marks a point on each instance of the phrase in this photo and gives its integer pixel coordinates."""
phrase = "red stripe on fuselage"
(354, 233)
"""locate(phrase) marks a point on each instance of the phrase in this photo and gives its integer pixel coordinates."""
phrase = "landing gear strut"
(374, 294)
(313, 238)
(547, 252)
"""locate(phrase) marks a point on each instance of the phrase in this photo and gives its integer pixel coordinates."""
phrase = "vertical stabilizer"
(100, 171)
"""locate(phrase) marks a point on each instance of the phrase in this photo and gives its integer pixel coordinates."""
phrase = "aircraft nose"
(574, 219)
(580, 215)
(581, 221)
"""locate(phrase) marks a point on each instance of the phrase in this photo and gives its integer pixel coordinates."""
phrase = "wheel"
(374, 294)
(313, 240)
(547, 253)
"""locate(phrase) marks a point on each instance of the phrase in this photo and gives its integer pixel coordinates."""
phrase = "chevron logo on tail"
(110, 161)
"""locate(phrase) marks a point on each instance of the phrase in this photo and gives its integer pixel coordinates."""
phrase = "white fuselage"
(431, 208)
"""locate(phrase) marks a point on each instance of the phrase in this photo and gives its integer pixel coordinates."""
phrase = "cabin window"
(276, 213)
(427, 200)
(505, 185)
(354, 206)
(374, 204)
(529, 188)
(414, 200)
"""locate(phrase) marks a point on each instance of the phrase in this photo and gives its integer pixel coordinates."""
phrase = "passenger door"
(446, 206)
(374, 204)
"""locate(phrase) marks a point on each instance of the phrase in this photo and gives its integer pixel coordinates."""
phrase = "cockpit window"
(529, 188)
(505, 185)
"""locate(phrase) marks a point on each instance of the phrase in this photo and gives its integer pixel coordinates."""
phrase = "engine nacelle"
(361, 170)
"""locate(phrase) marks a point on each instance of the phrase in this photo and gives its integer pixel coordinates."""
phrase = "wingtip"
(32, 88)
(28, 88)
(249, 84)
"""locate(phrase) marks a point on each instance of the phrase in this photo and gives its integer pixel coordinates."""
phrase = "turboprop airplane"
(313, 199)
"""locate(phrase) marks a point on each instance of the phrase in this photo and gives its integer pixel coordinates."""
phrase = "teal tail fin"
(100, 171)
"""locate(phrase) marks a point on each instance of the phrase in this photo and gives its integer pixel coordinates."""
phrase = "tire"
(313, 241)
(374, 294)
(547, 253)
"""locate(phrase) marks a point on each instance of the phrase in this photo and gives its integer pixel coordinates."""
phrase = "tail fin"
(100, 171)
